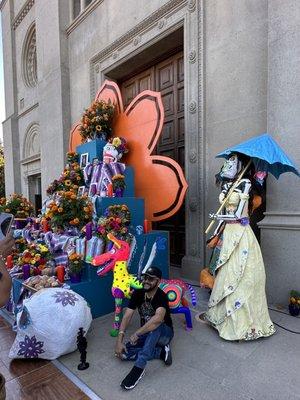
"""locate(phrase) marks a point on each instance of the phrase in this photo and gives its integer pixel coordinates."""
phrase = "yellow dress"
(237, 306)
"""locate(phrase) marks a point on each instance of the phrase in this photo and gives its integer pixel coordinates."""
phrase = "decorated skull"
(114, 150)
(48, 324)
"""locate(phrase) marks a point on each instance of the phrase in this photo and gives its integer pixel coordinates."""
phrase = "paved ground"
(32, 379)
(204, 367)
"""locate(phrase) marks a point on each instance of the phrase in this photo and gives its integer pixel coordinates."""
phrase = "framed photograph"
(95, 161)
(84, 159)
(81, 191)
(93, 190)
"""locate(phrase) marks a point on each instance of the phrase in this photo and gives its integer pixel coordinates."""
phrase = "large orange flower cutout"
(159, 180)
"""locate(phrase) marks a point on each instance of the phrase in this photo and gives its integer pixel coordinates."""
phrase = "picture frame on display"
(84, 159)
(81, 191)
(96, 161)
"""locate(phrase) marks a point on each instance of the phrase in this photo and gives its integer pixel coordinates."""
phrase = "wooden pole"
(236, 183)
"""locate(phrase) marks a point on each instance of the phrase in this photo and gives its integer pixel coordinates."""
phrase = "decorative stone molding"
(22, 13)
(192, 107)
(280, 221)
(191, 5)
(193, 250)
(193, 156)
(29, 58)
(193, 204)
(82, 16)
(32, 147)
(137, 40)
(126, 43)
(192, 56)
(162, 23)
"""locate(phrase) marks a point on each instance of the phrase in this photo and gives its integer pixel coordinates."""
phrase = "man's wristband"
(121, 333)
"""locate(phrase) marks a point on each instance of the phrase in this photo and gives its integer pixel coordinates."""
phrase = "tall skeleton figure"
(237, 307)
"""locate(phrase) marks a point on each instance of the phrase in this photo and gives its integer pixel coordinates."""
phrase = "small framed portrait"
(84, 159)
(95, 161)
(81, 191)
(93, 190)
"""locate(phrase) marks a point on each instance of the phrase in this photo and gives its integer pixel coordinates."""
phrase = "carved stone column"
(194, 140)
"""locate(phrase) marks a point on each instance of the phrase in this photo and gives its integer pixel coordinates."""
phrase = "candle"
(147, 226)
(45, 226)
(89, 231)
(60, 272)
(110, 190)
(9, 261)
(26, 271)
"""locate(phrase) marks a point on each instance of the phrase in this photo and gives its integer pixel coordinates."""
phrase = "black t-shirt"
(147, 307)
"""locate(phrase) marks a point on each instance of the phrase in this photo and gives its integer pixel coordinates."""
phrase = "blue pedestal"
(93, 148)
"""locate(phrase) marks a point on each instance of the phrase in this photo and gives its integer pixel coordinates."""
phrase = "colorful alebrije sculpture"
(116, 260)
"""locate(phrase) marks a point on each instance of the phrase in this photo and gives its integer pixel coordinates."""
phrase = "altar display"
(237, 306)
(96, 196)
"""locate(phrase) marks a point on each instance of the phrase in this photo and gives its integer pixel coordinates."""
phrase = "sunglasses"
(149, 278)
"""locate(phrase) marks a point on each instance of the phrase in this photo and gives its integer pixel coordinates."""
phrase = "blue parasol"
(266, 155)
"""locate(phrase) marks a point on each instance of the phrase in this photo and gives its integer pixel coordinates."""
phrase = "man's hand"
(119, 349)
(133, 339)
(6, 245)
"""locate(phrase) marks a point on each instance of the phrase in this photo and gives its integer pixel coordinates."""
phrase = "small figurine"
(82, 346)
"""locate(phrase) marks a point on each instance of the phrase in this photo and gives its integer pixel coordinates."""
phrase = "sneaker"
(166, 354)
(132, 379)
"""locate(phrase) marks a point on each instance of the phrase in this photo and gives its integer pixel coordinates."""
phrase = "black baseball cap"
(154, 272)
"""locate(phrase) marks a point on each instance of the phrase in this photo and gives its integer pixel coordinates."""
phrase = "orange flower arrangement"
(96, 121)
(17, 205)
(69, 211)
(75, 263)
(71, 177)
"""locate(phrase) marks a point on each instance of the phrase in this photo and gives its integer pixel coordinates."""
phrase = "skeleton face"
(230, 167)
(110, 153)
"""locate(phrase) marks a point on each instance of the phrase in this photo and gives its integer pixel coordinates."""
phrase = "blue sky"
(2, 101)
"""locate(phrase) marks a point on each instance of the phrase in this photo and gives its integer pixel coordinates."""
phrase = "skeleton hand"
(213, 216)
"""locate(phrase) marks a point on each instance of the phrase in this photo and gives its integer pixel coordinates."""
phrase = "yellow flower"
(60, 210)
(98, 128)
(68, 182)
(116, 142)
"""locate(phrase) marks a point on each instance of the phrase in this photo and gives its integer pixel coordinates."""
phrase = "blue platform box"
(93, 148)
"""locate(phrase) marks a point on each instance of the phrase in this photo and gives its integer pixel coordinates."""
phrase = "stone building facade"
(227, 70)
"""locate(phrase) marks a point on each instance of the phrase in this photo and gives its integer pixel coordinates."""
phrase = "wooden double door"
(166, 77)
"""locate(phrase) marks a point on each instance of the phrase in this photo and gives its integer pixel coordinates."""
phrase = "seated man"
(152, 339)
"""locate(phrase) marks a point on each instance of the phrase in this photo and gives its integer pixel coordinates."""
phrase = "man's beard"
(149, 288)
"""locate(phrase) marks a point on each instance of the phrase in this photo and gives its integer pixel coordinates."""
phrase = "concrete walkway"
(204, 366)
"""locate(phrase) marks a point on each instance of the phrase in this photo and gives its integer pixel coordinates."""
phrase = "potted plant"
(75, 267)
(96, 122)
(19, 206)
(116, 220)
(69, 212)
(294, 304)
(118, 182)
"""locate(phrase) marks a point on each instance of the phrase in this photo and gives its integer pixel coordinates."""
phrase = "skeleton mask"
(230, 167)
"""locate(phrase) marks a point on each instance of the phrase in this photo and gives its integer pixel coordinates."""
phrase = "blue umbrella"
(266, 155)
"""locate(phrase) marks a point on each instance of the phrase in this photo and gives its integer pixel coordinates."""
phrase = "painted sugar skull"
(230, 167)
(114, 150)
